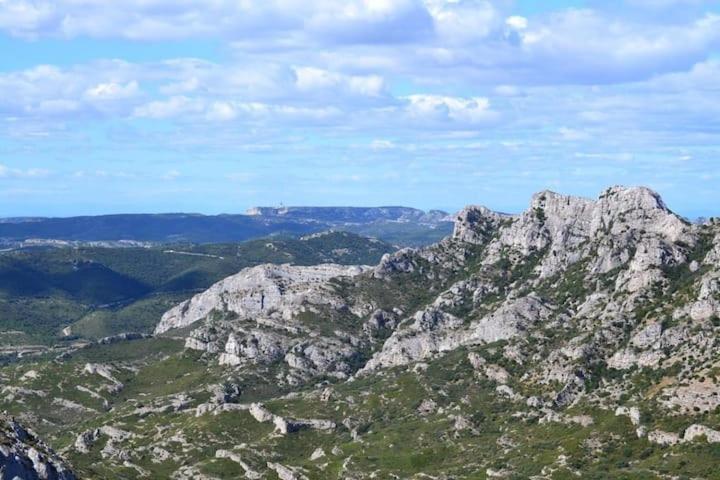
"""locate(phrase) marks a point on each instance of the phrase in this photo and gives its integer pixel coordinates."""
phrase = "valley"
(578, 338)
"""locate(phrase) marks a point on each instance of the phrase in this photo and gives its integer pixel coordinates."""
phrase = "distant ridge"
(352, 214)
(400, 225)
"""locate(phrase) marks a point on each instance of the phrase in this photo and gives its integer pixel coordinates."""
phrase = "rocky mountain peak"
(588, 321)
(474, 223)
(642, 197)
(555, 217)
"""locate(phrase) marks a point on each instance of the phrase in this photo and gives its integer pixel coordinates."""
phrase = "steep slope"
(100, 291)
(24, 456)
(579, 338)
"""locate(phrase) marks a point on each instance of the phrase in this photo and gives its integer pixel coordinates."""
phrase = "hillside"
(577, 339)
(100, 291)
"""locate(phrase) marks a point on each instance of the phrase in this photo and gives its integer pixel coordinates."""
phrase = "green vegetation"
(406, 234)
(103, 291)
(539, 403)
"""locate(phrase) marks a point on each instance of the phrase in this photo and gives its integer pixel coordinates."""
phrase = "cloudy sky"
(217, 105)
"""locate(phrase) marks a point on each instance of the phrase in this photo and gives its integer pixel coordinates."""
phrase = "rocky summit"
(576, 339)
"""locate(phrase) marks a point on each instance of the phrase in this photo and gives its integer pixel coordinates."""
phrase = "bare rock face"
(402, 261)
(276, 291)
(595, 265)
(569, 288)
(275, 314)
(476, 224)
(619, 221)
(433, 332)
(24, 456)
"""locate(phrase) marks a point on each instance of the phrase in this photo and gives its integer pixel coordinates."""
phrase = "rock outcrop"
(593, 318)
(274, 291)
(24, 456)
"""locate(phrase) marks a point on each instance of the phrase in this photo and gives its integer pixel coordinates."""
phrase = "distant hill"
(397, 225)
(352, 214)
(102, 291)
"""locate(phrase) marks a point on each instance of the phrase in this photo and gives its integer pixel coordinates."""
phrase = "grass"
(103, 291)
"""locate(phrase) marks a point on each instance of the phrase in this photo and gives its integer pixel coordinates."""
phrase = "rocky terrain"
(576, 339)
(56, 296)
(24, 456)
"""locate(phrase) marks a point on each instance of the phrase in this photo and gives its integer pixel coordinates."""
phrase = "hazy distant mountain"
(352, 214)
(400, 225)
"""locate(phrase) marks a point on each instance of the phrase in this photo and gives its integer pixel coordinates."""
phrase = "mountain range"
(578, 339)
(400, 225)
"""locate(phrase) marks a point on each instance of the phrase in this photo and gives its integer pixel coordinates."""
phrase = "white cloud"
(113, 91)
(221, 111)
(171, 175)
(464, 21)
(380, 144)
(369, 21)
(25, 18)
(438, 107)
(351, 20)
(171, 108)
(508, 91)
(9, 172)
(517, 22)
(77, 91)
(573, 135)
(181, 107)
(311, 78)
(586, 46)
(427, 39)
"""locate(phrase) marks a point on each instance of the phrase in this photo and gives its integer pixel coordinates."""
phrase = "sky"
(218, 105)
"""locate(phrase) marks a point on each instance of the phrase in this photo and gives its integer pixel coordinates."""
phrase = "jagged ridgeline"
(577, 339)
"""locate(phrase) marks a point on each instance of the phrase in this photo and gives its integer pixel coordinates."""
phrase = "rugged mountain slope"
(100, 291)
(24, 456)
(577, 338)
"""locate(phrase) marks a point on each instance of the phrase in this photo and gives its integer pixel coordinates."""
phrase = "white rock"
(263, 290)
(697, 431)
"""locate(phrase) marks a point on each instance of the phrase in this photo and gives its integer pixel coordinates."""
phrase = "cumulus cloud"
(113, 91)
(369, 21)
(429, 39)
(171, 108)
(311, 78)
(463, 21)
(517, 22)
(443, 108)
(84, 90)
(305, 79)
(349, 21)
(185, 108)
(588, 47)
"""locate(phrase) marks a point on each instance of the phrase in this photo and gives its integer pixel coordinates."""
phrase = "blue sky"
(218, 105)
